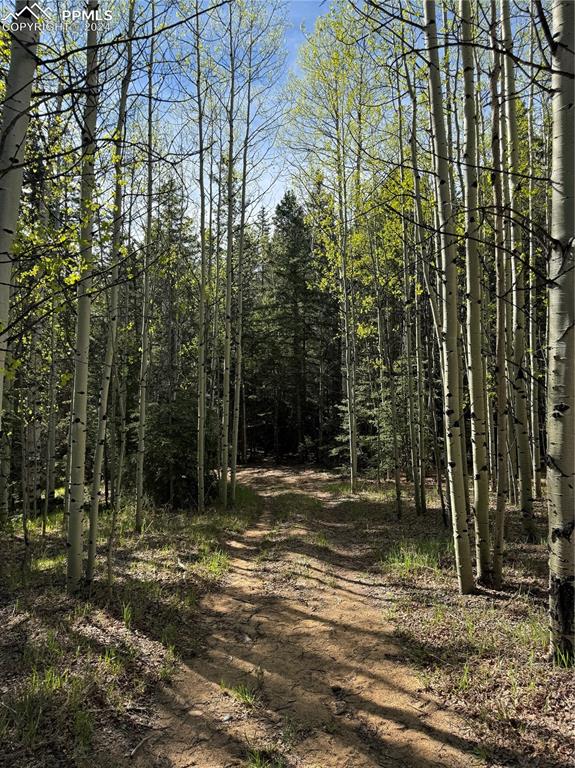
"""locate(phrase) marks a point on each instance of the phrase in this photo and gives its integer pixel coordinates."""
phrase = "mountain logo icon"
(35, 10)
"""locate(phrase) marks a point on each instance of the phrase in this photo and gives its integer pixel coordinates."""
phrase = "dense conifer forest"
(287, 383)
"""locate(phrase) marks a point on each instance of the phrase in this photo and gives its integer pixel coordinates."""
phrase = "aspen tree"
(348, 323)
(82, 350)
(450, 319)
(113, 303)
(474, 308)
(532, 314)
(501, 310)
(411, 410)
(225, 433)
(561, 349)
(241, 240)
(418, 308)
(393, 407)
(518, 370)
(202, 331)
(13, 131)
(147, 258)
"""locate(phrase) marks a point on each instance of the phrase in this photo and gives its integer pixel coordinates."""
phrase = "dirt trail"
(301, 622)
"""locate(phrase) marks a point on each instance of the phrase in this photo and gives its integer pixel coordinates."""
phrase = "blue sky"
(301, 12)
(301, 16)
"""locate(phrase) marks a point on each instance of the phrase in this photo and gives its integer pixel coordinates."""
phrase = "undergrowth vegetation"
(80, 674)
(486, 654)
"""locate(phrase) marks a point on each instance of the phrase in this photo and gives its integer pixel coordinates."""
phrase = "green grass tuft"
(242, 693)
(262, 758)
(215, 563)
(412, 558)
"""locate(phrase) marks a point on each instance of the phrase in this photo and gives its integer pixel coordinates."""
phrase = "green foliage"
(170, 476)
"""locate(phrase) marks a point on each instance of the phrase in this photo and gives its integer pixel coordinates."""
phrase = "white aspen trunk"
(450, 319)
(501, 308)
(561, 351)
(420, 387)
(461, 342)
(348, 324)
(532, 314)
(411, 411)
(15, 120)
(440, 292)
(145, 338)
(113, 307)
(518, 374)
(201, 438)
(506, 228)
(349, 369)
(435, 310)
(450, 110)
(411, 417)
(239, 319)
(82, 351)
(475, 376)
(225, 436)
(216, 300)
(394, 422)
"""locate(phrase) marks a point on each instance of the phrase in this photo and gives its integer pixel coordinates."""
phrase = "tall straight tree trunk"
(145, 337)
(394, 420)
(509, 353)
(15, 120)
(461, 341)
(411, 410)
(113, 305)
(348, 322)
(202, 331)
(561, 351)
(474, 309)
(420, 386)
(532, 314)
(82, 351)
(518, 376)
(501, 308)
(450, 319)
(240, 310)
(225, 434)
(412, 418)
(215, 346)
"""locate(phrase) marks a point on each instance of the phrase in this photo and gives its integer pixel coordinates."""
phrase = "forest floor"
(308, 629)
